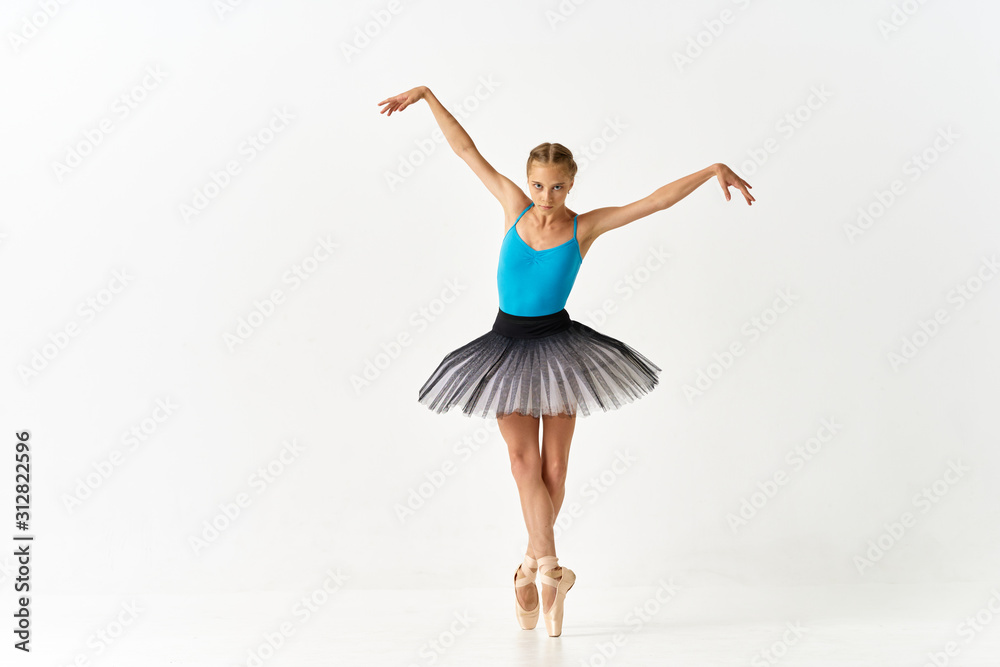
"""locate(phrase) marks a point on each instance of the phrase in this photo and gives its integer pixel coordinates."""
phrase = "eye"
(558, 186)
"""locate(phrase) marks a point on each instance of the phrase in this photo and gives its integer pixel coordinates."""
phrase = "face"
(548, 185)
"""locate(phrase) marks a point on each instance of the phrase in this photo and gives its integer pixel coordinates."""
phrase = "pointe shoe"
(526, 619)
(554, 616)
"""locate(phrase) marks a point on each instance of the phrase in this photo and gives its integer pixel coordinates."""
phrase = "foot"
(527, 596)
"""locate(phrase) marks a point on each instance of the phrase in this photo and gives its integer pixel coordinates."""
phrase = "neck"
(553, 216)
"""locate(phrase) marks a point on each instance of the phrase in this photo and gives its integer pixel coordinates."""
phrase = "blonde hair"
(549, 153)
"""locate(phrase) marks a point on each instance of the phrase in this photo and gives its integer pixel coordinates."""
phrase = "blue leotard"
(536, 282)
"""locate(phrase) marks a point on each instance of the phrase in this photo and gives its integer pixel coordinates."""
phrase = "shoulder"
(586, 224)
(514, 207)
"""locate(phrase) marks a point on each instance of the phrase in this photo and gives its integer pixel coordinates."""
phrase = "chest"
(526, 242)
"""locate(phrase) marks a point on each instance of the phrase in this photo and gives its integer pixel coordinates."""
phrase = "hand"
(403, 100)
(727, 178)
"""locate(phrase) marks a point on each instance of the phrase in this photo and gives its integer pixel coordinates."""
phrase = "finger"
(725, 187)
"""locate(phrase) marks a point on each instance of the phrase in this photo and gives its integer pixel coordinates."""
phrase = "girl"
(536, 363)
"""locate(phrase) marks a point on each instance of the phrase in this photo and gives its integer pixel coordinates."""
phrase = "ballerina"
(537, 364)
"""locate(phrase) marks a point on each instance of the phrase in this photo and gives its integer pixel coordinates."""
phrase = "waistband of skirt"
(538, 326)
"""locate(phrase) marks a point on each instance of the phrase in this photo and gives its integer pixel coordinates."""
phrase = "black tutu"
(544, 365)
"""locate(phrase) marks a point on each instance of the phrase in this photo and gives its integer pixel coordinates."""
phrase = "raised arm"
(612, 217)
(501, 187)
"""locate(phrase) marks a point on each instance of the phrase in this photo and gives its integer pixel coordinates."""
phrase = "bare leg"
(557, 435)
(541, 481)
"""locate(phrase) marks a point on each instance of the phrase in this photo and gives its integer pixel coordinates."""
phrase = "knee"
(525, 467)
(554, 475)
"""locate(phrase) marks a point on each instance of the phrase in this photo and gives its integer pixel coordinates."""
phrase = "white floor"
(879, 625)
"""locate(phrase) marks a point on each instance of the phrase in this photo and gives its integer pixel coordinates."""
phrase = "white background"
(607, 80)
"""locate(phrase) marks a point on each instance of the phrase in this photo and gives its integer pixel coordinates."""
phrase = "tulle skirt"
(544, 365)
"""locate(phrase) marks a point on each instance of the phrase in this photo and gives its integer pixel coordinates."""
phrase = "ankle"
(548, 564)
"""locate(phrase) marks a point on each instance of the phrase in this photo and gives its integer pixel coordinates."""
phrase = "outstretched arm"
(612, 217)
(507, 193)
(671, 193)
(457, 137)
